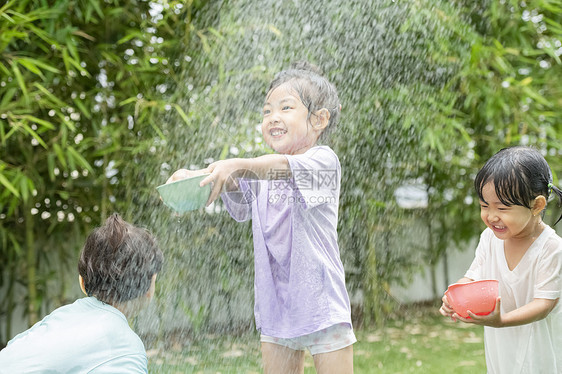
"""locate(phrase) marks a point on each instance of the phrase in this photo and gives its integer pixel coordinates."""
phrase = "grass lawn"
(424, 342)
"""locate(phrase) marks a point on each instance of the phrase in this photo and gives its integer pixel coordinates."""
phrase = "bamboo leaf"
(182, 115)
(157, 129)
(6, 183)
(44, 36)
(65, 59)
(60, 155)
(2, 134)
(97, 8)
(224, 152)
(553, 25)
(6, 6)
(24, 189)
(7, 98)
(36, 136)
(204, 42)
(535, 96)
(88, 14)
(84, 35)
(128, 101)
(10, 19)
(73, 58)
(4, 69)
(41, 64)
(83, 108)
(79, 67)
(81, 160)
(52, 97)
(66, 122)
(13, 34)
(216, 33)
(512, 51)
(129, 36)
(70, 159)
(31, 67)
(51, 166)
(20, 80)
(71, 45)
(14, 127)
(39, 121)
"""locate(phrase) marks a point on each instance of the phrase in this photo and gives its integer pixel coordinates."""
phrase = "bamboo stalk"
(31, 267)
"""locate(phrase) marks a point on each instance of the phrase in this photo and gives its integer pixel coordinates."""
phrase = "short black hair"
(519, 174)
(118, 261)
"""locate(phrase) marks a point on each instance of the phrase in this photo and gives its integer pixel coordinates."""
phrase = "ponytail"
(554, 190)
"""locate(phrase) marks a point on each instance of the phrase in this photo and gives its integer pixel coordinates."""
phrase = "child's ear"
(322, 117)
(538, 205)
(151, 289)
(82, 287)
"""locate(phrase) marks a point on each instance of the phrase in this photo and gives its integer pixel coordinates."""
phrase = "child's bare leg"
(278, 359)
(336, 362)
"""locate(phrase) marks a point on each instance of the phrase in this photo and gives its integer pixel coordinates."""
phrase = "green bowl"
(185, 195)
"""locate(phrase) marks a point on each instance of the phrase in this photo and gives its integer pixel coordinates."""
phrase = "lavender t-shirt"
(299, 277)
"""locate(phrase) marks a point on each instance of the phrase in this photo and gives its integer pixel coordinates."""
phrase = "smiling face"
(507, 222)
(286, 127)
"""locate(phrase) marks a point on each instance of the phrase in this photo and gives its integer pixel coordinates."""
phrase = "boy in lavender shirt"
(292, 198)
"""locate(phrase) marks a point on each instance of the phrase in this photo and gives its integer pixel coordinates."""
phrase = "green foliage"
(511, 87)
(82, 83)
(507, 93)
(101, 100)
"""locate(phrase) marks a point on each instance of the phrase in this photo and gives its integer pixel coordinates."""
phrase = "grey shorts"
(330, 339)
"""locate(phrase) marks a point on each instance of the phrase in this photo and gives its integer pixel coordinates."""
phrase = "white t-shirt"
(87, 336)
(535, 347)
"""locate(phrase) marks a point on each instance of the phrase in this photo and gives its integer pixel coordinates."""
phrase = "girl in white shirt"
(524, 332)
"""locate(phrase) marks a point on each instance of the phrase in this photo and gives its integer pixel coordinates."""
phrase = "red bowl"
(479, 297)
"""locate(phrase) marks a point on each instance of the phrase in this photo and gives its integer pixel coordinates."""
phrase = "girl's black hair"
(118, 261)
(519, 174)
(314, 90)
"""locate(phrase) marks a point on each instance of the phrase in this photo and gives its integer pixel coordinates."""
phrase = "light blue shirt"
(87, 336)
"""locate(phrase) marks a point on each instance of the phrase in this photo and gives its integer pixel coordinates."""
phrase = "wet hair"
(314, 90)
(520, 174)
(118, 261)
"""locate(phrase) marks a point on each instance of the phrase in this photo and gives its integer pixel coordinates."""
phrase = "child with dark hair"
(117, 271)
(524, 332)
(292, 197)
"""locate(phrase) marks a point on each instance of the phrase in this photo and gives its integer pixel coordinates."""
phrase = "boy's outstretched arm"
(223, 173)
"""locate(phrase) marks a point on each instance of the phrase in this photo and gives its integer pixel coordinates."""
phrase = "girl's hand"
(493, 319)
(223, 176)
(446, 309)
(184, 173)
